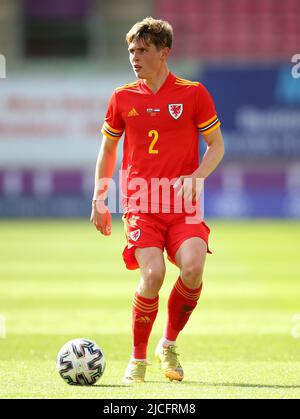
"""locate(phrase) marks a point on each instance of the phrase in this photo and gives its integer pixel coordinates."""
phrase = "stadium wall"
(50, 137)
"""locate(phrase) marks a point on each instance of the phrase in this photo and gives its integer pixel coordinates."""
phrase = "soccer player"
(161, 115)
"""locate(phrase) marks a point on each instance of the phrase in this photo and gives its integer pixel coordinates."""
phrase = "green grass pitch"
(61, 280)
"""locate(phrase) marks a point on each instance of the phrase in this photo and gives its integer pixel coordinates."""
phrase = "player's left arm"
(190, 186)
(213, 155)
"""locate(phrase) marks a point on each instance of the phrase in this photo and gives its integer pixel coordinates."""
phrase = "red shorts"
(166, 231)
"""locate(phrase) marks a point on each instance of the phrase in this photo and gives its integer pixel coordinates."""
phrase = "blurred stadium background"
(64, 57)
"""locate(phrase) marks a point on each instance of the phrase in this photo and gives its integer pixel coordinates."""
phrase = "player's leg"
(145, 245)
(144, 250)
(152, 269)
(190, 258)
(187, 248)
(145, 303)
(145, 307)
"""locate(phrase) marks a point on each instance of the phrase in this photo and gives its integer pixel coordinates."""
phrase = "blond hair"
(152, 31)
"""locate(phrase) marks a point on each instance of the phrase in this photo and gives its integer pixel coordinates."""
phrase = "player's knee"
(153, 277)
(192, 275)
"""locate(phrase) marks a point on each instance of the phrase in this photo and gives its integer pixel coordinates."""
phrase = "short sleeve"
(113, 126)
(206, 115)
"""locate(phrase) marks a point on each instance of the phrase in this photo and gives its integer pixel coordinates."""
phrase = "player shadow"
(279, 386)
(166, 382)
(205, 384)
(202, 383)
(110, 385)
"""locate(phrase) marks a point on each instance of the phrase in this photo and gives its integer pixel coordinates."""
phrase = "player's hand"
(189, 187)
(101, 217)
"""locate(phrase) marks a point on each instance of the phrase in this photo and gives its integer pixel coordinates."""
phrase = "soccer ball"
(80, 362)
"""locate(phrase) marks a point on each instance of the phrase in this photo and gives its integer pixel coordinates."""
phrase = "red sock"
(182, 302)
(143, 316)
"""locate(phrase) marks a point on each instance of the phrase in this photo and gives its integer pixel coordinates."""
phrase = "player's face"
(145, 59)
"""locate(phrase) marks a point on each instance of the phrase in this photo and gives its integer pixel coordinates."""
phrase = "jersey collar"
(169, 80)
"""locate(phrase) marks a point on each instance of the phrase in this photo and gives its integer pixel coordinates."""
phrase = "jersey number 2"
(154, 135)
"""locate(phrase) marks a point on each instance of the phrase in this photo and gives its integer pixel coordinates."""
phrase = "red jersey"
(161, 137)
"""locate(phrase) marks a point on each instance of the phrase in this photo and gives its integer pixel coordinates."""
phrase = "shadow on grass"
(109, 386)
(199, 383)
(243, 385)
(205, 384)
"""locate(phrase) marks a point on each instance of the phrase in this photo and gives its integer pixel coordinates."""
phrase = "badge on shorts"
(175, 109)
(134, 235)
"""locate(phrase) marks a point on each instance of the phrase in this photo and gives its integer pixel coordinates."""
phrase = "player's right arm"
(105, 166)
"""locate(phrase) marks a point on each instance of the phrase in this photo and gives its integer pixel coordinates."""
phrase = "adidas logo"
(133, 112)
(144, 319)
